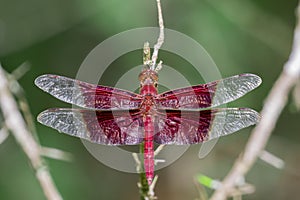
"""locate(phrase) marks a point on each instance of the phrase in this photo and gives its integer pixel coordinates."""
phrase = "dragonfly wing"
(102, 127)
(192, 127)
(87, 95)
(208, 95)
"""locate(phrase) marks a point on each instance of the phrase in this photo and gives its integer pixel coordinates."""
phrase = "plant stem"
(16, 125)
(161, 36)
(271, 111)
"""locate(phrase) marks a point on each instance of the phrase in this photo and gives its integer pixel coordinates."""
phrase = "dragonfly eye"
(148, 74)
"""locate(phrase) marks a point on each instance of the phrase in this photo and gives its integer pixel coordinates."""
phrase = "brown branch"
(274, 105)
(17, 126)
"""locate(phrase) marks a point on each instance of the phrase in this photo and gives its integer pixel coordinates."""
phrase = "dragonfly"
(115, 117)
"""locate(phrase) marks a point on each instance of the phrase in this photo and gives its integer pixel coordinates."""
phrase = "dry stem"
(161, 36)
(17, 126)
(274, 105)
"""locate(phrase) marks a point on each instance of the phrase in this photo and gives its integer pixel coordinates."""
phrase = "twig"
(296, 95)
(56, 154)
(151, 188)
(161, 36)
(272, 159)
(21, 70)
(15, 123)
(3, 134)
(274, 104)
(18, 92)
(159, 149)
(137, 162)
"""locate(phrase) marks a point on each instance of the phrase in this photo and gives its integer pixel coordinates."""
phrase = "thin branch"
(17, 126)
(17, 91)
(296, 95)
(3, 134)
(21, 71)
(274, 105)
(137, 162)
(151, 188)
(272, 159)
(161, 36)
(159, 149)
(56, 154)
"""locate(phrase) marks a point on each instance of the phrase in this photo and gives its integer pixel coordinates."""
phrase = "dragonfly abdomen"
(148, 148)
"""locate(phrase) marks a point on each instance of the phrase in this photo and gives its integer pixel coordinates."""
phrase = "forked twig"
(17, 126)
(274, 105)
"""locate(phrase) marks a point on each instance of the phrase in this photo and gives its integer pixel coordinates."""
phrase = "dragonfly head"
(148, 77)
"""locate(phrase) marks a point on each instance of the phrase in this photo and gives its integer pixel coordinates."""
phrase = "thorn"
(137, 161)
(159, 66)
(156, 161)
(158, 149)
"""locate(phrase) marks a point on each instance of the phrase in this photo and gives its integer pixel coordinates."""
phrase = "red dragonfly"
(117, 117)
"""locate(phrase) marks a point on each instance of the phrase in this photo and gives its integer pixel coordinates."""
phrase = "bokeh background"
(55, 36)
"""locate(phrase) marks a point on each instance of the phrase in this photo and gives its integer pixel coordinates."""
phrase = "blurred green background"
(55, 36)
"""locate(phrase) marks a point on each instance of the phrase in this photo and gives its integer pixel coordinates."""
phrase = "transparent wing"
(102, 127)
(208, 95)
(87, 95)
(192, 127)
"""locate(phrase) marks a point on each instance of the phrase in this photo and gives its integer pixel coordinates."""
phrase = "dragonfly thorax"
(148, 91)
(147, 103)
